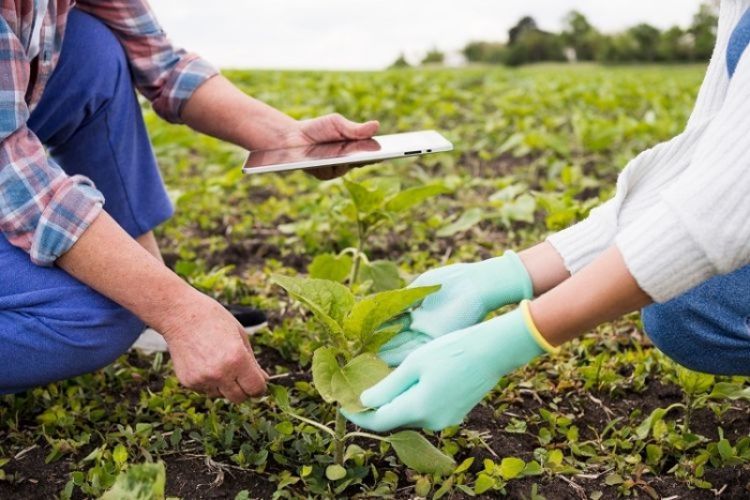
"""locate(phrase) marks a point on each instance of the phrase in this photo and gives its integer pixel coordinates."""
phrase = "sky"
(359, 34)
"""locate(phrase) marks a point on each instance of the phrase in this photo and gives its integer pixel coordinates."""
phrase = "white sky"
(370, 34)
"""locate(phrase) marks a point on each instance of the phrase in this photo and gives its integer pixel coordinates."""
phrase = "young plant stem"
(339, 438)
(312, 422)
(358, 255)
(365, 435)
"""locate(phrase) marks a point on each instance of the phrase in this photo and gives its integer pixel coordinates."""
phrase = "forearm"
(602, 291)
(219, 109)
(545, 267)
(108, 260)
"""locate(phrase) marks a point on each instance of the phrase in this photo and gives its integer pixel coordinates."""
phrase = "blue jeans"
(708, 328)
(52, 326)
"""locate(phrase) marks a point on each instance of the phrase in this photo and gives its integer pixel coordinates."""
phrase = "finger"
(351, 130)
(233, 392)
(395, 351)
(252, 379)
(400, 413)
(385, 391)
(322, 173)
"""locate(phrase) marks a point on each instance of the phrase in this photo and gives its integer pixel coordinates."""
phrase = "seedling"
(356, 328)
(348, 364)
(372, 205)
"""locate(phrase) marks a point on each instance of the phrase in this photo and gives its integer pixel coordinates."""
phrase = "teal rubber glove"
(468, 293)
(438, 384)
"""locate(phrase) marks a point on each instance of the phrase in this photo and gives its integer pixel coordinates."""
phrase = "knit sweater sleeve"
(700, 225)
(641, 183)
(638, 186)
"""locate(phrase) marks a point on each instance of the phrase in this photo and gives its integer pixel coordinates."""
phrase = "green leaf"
(419, 454)
(280, 396)
(334, 472)
(730, 390)
(414, 196)
(519, 210)
(324, 366)
(373, 311)
(331, 267)
(511, 468)
(382, 274)
(364, 199)
(694, 382)
(642, 431)
(359, 374)
(139, 482)
(483, 483)
(467, 220)
(120, 455)
(329, 301)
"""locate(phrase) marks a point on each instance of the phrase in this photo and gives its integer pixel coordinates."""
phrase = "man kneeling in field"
(81, 271)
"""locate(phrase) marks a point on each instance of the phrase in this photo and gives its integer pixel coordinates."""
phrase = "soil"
(193, 477)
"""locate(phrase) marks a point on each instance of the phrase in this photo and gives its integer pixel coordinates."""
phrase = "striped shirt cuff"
(190, 73)
(75, 205)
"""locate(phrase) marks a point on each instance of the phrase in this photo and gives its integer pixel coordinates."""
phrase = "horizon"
(339, 35)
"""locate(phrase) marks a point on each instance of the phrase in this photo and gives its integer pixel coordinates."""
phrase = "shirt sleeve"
(700, 225)
(638, 188)
(42, 210)
(166, 76)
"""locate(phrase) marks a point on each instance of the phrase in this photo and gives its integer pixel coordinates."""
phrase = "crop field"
(536, 149)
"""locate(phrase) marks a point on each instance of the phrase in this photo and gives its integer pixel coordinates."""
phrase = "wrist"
(170, 304)
(533, 330)
(507, 280)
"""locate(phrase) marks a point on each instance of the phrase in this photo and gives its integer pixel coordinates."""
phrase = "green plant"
(356, 327)
(348, 364)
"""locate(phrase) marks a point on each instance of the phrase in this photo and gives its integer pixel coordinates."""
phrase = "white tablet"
(382, 147)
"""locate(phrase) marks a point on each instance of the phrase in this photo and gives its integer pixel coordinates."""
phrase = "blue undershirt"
(738, 42)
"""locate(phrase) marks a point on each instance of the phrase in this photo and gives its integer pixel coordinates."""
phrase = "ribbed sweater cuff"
(583, 242)
(662, 256)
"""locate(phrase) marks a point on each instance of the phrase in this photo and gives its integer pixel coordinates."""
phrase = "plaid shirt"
(42, 209)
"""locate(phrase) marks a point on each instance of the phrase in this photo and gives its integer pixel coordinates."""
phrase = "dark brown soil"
(189, 476)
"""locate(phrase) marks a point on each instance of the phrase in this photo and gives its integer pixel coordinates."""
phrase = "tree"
(675, 45)
(434, 56)
(401, 62)
(486, 52)
(647, 39)
(703, 31)
(581, 36)
(525, 25)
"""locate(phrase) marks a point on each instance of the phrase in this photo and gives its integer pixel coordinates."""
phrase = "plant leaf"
(331, 267)
(280, 396)
(414, 196)
(329, 301)
(419, 454)
(324, 366)
(359, 374)
(511, 468)
(383, 274)
(140, 482)
(370, 313)
(366, 200)
(334, 472)
(467, 220)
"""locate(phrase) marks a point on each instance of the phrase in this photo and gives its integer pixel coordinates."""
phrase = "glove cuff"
(508, 281)
(534, 331)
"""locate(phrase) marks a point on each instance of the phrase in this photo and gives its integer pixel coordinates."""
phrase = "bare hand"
(329, 128)
(210, 351)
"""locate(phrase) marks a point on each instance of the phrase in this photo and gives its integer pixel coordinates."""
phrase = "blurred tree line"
(581, 41)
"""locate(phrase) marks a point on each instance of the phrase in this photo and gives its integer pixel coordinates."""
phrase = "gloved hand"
(438, 384)
(469, 292)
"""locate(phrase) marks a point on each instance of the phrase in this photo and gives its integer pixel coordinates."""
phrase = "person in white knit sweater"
(675, 239)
